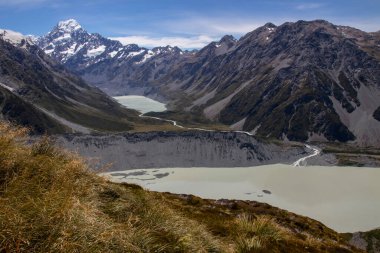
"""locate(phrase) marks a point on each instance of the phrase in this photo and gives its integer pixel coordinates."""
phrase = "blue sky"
(185, 23)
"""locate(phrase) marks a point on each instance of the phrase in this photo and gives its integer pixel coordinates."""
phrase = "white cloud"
(214, 26)
(189, 32)
(308, 6)
(181, 42)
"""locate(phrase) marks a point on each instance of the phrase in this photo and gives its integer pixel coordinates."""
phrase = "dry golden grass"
(49, 202)
(255, 234)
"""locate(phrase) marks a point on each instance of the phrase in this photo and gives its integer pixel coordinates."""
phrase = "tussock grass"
(49, 202)
(255, 234)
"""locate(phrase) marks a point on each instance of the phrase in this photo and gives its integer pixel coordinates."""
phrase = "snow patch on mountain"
(15, 38)
(69, 25)
(96, 51)
(113, 54)
(65, 36)
(147, 56)
(133, 54)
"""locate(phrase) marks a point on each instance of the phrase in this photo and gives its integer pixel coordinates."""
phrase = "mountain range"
(39, 92)
(303, 81)
(106, 63)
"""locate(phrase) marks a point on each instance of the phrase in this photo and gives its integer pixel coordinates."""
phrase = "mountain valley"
(280, 97)
(269, 77)
(40, 93)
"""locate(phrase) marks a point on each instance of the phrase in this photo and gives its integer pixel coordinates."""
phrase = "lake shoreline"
(311, 191)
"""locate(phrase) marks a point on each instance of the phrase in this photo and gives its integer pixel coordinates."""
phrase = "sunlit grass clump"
(255, 234)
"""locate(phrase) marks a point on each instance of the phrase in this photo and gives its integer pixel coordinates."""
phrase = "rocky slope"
(367, 241)
(300, 81)
(180, 149)
(37, 92)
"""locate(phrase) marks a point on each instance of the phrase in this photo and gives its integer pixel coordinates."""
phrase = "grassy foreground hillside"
(50, 202)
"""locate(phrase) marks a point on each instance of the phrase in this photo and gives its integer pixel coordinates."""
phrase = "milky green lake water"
(141, 103)
(346, 199)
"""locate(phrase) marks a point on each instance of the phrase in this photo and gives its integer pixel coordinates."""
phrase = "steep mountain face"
(299, 81)
(69, 43)
(38, 92)
(105, 63)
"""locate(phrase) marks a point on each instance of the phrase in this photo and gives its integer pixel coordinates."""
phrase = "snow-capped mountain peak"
(69, 25)
(83, 52)
(72, 45)
(15, 38)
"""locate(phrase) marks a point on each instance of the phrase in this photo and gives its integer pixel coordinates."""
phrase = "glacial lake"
(346, 199)
(141, 103)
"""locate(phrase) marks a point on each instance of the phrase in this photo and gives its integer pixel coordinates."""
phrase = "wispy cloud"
(308, 6)
(191, 31)
(182, 42)
(214, 26)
